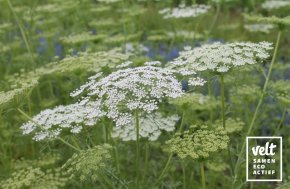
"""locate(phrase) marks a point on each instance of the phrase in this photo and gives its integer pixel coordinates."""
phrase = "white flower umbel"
(50, 123)
(275, 4)
(196, 81)
(108, 1)
(219, 57)
(184, 12)
(125, 64)
(134, 89)
(152, 127)
(153, 63)
(264, 28)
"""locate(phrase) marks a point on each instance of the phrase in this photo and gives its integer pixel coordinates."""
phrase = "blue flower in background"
(58, 50)
(173, 53)
(42, 46)
(184, 85)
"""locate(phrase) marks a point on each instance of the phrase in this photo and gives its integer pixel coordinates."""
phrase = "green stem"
(210, 94)
(281, 122)
(224, 119)
(116, 152)
(202, 174)
(51, 89)
(137, 149)
(214, 20)
(258, 106)
(21, 30)
(183, 175)
(180, 129)
(105, 133)
(166, 167)
(107, 180)
(146, 160)
(116, 178)
(223, 100)
(1, 112)
(182, 122)
(68, 144)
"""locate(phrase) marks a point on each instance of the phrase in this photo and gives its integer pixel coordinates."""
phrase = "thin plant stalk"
(116, 178)
(108, 182)
(202, 175)
(258, 105)
(224, 118)
(146, 160)
(223, 101)
(137, 150)
(21, 30)
(68, 144)
(183, 175)
(1, 112)
(165, 167)
(214, 20)
(105, 130)
(281, 122)
(171, 154)
(117, 159)
(210, 94)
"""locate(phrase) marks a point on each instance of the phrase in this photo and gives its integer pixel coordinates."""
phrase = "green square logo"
(264, 159)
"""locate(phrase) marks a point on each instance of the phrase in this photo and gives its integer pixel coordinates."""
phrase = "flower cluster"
(277, 4)
(264, 28)
(196, 81)
(285, 21)
(249, 92)
(135, 48)
(282, 90)
(232, 125)
(134, 89)
(55, 7)
(35, 178)
(44, 160)
(50, 123)
(184, 34)
(108, 1)
(120, 39)
(88, 164)
(195, 101)
(3, 48)
(184, 12)
(153, 63)
(217, 165)
(124, 65)
(152, 126)
(22, 82)
(103, 23)
(219, 57)
(199, 142)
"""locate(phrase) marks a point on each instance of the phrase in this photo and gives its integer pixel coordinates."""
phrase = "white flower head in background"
(49, 123)
(152, 127)
(153, 63)
(184, 11)
(264, 28)
(275, 4)
(108, 1)
(196, 81)
(219, 57)
(135, 48)
(125, 64)
(134, 89)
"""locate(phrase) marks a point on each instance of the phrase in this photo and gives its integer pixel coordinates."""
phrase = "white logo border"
(247, 159)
